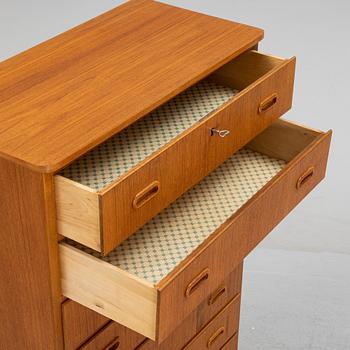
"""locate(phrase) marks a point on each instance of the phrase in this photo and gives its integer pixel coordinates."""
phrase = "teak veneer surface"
(30, 296)
(63, 97)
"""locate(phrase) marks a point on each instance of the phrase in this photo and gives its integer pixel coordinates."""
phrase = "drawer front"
(114, 337)
(79, 324)
(232, 344)
(239, 235)
(104, 219)
(218, 331)
(200, 317)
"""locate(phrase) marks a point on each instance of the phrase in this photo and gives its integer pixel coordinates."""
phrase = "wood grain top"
(63, 97)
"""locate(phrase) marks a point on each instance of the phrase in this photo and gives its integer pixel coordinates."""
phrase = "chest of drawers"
(141, 159)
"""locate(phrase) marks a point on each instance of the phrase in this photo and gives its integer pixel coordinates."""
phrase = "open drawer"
(105, 196)
(159, 275)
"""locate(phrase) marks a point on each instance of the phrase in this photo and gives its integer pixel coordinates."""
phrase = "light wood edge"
(278, 64)
(50, 218)
(248, 70)
(78, 212)
(283, 140)
(97, 285)
(307, 128)
(267, 54)
(162, 284)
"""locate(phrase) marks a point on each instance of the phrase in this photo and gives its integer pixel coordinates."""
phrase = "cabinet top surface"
(63, 97)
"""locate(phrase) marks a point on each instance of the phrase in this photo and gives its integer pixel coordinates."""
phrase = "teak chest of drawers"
(141, 159)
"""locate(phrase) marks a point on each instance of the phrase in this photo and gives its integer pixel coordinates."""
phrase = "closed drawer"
(105, 196)
(79, 324)
(232, 344)
(157, 277)
(114, 337)
(202, 315)
(218, 331)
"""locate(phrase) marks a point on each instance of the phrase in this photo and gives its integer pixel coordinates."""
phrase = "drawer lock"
(220, 133)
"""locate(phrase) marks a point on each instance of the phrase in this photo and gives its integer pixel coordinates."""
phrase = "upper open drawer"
(105, 196)
(177, 259)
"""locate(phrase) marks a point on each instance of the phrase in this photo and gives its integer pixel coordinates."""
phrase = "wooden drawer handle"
(197, 282)
(268, 103)
(305, 177)
(113, 345)
(215, 296)
(146, 195)
(215, 336)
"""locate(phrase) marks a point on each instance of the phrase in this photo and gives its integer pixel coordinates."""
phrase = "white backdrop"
(297, 283)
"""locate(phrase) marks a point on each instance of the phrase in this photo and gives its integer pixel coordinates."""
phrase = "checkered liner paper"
(116, 156)
(154, 250)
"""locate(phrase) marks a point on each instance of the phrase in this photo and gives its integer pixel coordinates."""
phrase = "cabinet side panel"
(29, 295)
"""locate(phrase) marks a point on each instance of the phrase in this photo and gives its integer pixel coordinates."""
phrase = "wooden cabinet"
(140, 156)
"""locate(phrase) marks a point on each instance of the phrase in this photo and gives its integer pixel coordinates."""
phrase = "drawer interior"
(112, 159)
(153, 251)
(160, 245)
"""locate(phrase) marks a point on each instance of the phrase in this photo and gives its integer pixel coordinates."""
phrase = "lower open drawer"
(159, 275)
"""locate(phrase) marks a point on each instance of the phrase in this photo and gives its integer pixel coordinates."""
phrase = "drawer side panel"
(108, 291)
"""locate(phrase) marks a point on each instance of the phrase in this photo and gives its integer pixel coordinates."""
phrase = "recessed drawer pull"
(215, 336)
(146, 195)
(215, 296)
(221, 133)
(305, 177)
(195, 284)
(114, 345)
(268, 103)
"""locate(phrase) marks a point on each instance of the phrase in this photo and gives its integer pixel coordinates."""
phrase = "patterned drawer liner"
(155, 249)
(117, 155)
